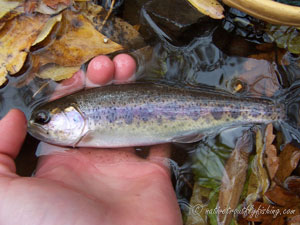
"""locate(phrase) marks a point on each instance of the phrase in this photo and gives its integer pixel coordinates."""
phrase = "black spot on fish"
(112, 115)
(255, 112)
(235, 112)
(143, 114)
(268, 111)
(195, 115)
(217, 113)
(159, 120)
(128, 116)
(170, 111)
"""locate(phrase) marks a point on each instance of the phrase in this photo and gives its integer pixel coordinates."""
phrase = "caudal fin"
(291, 100)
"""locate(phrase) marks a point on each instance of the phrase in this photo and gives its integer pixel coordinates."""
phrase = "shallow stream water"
(190, 50)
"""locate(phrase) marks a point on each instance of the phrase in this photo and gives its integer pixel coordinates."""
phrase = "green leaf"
(285, 37)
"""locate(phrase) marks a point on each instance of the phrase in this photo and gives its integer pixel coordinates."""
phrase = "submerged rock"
(168, 25)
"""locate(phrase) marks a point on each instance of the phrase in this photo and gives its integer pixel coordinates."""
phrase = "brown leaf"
(256, 215)
(54, 3)
(288, 160)
(76, 43)
(16, 37)
(271, 159)
(270, 214)
(234, 177)
(295, 220)
(270, 54)
(44, 9)
(30, 5)
(277, 221)
(293, 184)
(260, 76)
(114, 28)
(282, 197)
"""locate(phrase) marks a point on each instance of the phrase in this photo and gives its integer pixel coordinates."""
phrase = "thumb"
(13, 131)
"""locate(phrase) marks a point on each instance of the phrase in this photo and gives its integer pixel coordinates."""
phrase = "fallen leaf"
(292, 183)
(57, 72)
(44, 9)
(16, 39)
(234, 177)
(30, 5)
(198, 206)
(270, 214)
(211, 8)
(254, 186)
(288, 160)
(282, 197)
(262, 173)
(75, 43)
(285, 37)
(7, 6)
(47, 28)
(260, 77)
(271, 159)
(54, 3)
(114, 28)
(295, 220)
(257, 216)
(271, 55)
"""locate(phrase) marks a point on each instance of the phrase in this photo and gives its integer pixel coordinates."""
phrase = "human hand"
(84, 186)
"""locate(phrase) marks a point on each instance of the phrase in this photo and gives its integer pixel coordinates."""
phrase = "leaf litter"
(255, 180)
(16, 38)
(58, 39)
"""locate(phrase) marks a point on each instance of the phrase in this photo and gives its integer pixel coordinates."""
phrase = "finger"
(68, 86)
(162, 151)
(100, 71)
(13, 131)
(125, 67)
(160, 155)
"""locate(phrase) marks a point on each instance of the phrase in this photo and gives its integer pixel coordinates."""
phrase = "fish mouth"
(36, 130)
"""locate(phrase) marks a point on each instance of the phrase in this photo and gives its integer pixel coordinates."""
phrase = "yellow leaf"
(16, 37)
(259, 180)
(47, 28)
(7, 6)
(211, 8)
(57, 73)
(76, 43)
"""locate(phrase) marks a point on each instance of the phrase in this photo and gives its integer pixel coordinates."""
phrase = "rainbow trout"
(145, 114)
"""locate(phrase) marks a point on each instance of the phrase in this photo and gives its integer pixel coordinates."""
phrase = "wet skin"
(86, 186)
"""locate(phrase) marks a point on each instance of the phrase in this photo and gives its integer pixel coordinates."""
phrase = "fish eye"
(42, 117)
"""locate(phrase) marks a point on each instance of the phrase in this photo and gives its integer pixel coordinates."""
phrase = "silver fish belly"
(144, 114)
